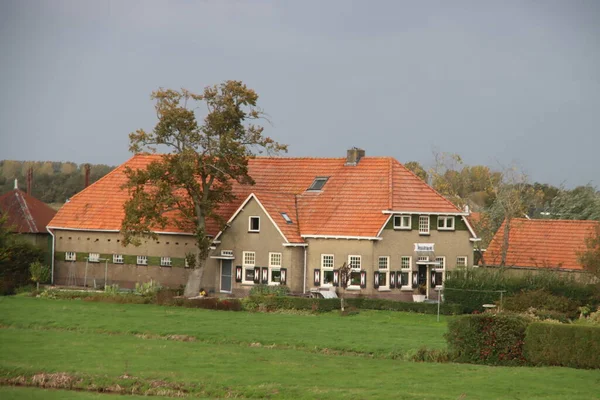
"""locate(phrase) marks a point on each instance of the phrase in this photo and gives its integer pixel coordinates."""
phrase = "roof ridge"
(591, 221)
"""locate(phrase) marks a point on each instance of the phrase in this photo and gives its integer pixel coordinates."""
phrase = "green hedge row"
(566, 345)
(494, 339)
(271, 303)
(153, 261)
(462, 286)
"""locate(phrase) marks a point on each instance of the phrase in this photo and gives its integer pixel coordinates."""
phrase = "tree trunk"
(192, 287)
(38, 286)
(342, 303)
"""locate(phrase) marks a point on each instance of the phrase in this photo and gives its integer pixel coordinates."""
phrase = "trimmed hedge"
(469, 280)
(272, 303)
(566, 345)
(493, 339)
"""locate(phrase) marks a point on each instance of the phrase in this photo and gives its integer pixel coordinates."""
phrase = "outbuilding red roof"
(350, 203)
(541, 243)
(26, 214)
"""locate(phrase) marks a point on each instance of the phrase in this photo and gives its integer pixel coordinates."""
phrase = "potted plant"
(420, 293)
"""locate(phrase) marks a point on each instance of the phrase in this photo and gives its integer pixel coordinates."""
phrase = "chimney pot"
(354, 155)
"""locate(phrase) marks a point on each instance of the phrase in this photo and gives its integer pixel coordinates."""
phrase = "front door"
(226, 275)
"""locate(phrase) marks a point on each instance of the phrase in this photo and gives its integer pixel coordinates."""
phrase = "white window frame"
(422, 219)
(354, 269)
(273, 266)
(118, 259)
(250, 223)
(246, 264)
(403, 219)
(70, 256)
(326, 267)
(405, 269)
(385, 270)
(94, 257)
(464, 258)
(142, 260)
(165, 261)
(445, 219)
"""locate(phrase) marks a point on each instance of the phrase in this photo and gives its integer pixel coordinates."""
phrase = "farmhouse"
(536, 244)
(301, 221)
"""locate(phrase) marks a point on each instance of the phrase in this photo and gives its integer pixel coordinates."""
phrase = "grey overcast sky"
(499, 82)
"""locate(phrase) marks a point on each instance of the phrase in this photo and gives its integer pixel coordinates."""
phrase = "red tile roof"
(26, 214)
(350, 203)
(541, 243)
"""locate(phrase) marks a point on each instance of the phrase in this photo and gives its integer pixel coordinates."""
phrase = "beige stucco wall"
(238, 239)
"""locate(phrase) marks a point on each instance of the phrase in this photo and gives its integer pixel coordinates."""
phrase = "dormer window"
(318, 183)
(287, 218)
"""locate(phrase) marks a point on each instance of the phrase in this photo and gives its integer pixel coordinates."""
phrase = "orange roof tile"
(350, 203)
(541, 243)
(26, 214)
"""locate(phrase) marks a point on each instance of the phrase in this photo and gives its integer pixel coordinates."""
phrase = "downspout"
(52, 255)
(304, 280)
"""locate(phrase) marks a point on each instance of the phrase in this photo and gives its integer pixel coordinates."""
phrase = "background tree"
(590, 258)
(583, 202)
(186, 186)
(418, 170)
(39, 272)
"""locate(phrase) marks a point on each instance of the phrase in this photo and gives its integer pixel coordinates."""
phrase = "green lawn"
(20, 393)
(229, 363)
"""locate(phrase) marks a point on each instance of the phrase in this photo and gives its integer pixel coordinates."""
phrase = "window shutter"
(376, 280)
(283, 276)
(265, 275)
(256, 275)
(415, 280)
(336, 278)
(433, 280)
(392, 279)
(238, 273)
(363, 279)
(317, 276)
(439, 278)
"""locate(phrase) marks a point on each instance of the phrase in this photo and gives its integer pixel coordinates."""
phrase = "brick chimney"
(354, 155)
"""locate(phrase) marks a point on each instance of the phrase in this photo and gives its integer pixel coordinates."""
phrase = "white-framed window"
(327, 264)
(274, 268)
(117, 258)
(402, 222)
(165, 261)
(440, 270)
(355, 264)
(442, 263)
(142, 260)
(424, 224)
(445, 223)
(70, 256)
(461, 261)
(405, 270)
(254, 224)
(94, 257)
(248, 262)
(384, 269)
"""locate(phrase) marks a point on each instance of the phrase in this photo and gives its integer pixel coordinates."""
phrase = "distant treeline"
(53, 181)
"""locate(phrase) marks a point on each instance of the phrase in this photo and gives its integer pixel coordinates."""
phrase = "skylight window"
(287, 218)
(318, 183)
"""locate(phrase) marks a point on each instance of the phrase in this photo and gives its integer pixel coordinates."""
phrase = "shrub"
(567, 345)
(424, 354)
(541, 300)
(147, 288)
(15, 258)
(266, 290)
(494, 339)
(39, 272)
(213, 303)
(111, 289)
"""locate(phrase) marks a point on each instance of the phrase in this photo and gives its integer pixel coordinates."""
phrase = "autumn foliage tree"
(590, 257)
(185, 186)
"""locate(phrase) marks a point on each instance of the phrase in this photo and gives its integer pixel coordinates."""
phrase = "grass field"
(122, 348)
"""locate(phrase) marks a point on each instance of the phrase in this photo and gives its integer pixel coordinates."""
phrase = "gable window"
(165, 261)
(445, 223)
(94, 257)
(384, 269)
(274, 268)
(327, 269)
(424, 224)
(287, 218)
(249, 261)
(142, 260)
(70, 256)
(254, 224)
(405, 270)
(318, 183)
(402, 222)
(355, 264)
(461, 261)
(117, 258)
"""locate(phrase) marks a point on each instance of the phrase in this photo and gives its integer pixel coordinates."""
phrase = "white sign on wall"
(424, 246)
